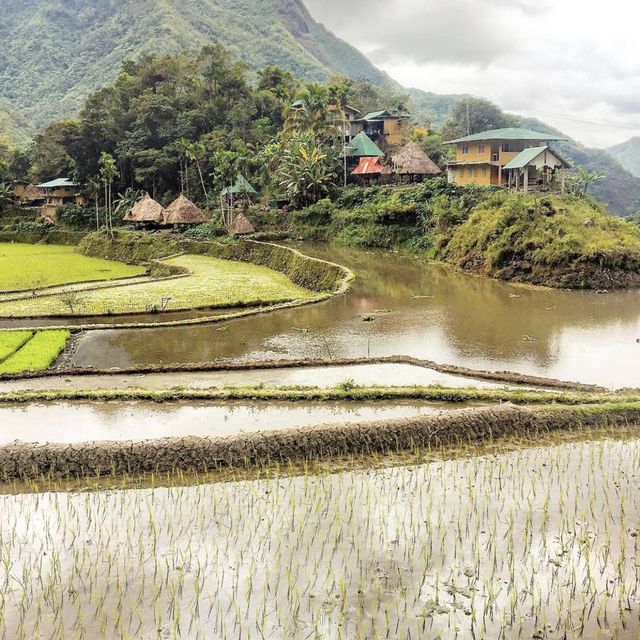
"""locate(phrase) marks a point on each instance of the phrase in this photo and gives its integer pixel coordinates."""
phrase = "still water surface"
(420, 309)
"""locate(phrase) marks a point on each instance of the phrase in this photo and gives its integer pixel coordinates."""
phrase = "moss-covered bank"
(21, 461)
(140, 248)
(543, 239)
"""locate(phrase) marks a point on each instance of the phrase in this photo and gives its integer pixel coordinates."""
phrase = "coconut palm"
(586, 178)
(108, 172)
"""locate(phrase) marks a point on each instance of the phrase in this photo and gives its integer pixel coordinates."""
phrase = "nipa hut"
(413, 162)
(183, 212)
(241, 226)
(146, 211)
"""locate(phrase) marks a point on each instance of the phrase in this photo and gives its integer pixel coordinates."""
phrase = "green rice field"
(25, 267)
(532, 542)
(22, 351)
(212, 283)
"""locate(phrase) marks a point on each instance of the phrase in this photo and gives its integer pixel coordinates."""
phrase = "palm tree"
(183, 146)
(94, 185)
(108, 172)
(586, 178)
(340, 94)
(194, 152)
(310, 111)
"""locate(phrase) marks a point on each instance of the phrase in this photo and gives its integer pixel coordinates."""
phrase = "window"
(465, 150)
(484, 171)
(480, 149)
(461, 172)
(506, 147)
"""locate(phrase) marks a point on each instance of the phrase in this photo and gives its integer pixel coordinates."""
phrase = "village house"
(519, 159)
(343, 119)
(57, 193)
(383, 127)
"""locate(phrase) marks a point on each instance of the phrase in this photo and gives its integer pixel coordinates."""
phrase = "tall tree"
(108, 172)
(475, 115)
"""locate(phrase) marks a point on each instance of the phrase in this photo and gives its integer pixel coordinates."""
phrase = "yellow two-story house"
(481, 158)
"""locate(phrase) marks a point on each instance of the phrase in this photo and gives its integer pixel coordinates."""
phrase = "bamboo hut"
(146, 211)
(183, 212)
(241, 226)
(413, 162)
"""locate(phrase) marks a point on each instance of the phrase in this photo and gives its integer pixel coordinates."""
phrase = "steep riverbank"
(556, 241)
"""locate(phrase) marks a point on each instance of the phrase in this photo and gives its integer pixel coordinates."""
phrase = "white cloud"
(572, 63)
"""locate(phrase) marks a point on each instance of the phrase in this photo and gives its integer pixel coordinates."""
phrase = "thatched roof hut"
(183, 211)
(146, 210)
(411, 160)
(241, 226)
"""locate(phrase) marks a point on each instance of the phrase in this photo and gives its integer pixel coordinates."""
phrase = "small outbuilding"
(184, 212)
(241, 226)
(146, 211)
(537, 168)
(413, 163)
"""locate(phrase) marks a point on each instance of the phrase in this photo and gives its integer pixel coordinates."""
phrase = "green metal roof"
(241, 186)
(377, 115)
(512, 133)
(529, 155)
(59, 182)
(362, 146)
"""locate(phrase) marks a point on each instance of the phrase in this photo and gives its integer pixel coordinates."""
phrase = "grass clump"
(212, 283)
(24, 267)
(560, 241)
(37, 353)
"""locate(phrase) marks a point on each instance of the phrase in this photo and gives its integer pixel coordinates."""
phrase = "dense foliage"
(81, 44)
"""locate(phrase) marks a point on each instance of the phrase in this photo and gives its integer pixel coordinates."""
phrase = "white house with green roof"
(517, 158)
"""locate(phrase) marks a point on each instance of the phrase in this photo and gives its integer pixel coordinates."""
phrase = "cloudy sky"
(573, 63)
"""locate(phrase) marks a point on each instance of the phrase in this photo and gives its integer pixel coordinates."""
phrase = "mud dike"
(24, 462)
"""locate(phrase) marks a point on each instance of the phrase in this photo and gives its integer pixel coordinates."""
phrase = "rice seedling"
(212, 283)
(11, 341)
(506, 542)
(24, 267)
(37, 353)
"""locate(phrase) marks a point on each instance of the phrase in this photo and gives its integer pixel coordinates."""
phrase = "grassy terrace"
(25, 267)
(212, 283)
(27, 351)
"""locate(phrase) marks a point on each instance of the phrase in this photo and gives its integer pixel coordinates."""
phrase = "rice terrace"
(290, 351)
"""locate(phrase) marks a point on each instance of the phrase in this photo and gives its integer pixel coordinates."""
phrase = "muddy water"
(420, 309)
(141, 421)
(508, 545)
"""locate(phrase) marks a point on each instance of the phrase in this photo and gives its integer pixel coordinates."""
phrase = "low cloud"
(572, 63)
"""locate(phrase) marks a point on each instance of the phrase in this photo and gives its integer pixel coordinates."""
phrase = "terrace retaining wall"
(20, 461)
(138, 248)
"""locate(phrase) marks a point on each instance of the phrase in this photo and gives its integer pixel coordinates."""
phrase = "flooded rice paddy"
(388, 375)
(418, 309)
(84, 422)
(537, 542)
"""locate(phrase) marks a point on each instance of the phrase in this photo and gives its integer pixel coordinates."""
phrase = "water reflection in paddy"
(420, 309)
(140, 420)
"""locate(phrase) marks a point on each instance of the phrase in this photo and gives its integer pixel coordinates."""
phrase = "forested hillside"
(628, 155)
(56, 52)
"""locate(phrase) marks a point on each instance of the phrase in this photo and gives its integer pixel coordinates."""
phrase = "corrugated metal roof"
(529, 155)
(512, 133)
(363, 146)
(368, 166)
(58, 182)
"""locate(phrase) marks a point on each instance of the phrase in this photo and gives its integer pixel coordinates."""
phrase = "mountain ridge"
(627, 154)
